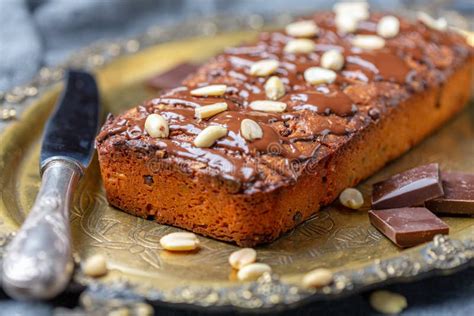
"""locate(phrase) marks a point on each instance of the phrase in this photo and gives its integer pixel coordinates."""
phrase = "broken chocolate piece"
(410, 188)
(173, 77)
(458, 196)
(408, 226)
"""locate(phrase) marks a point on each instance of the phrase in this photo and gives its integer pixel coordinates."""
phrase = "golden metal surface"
(335, 238)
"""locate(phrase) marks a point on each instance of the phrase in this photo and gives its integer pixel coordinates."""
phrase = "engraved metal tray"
(335, 238)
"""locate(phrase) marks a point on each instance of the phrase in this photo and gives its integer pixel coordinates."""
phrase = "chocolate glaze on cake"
(318, 119)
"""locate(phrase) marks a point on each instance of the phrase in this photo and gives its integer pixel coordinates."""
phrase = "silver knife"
(38, 262)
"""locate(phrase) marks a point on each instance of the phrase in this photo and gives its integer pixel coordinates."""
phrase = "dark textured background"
(38, 33)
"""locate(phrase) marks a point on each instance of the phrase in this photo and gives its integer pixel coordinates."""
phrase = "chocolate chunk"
(410, 188)
(458, 195)
(374, 113)
(408, 226)
(148, 180)
(173, 77)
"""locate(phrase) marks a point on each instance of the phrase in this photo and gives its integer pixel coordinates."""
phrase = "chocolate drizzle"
(318, 118)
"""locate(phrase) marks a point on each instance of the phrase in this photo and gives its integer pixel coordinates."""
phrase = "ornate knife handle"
(38, 262)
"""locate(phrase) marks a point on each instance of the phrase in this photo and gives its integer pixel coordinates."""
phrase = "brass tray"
(335, 237)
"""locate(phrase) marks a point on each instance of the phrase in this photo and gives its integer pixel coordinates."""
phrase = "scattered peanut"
(274, 88)
(157, 126)
(332, 59)
(317, 75)
(180, 241)
(351, 198)
(250, 130)
(368, 42)
(437, 24)
(253, 271)
(208, 136)
(240, 258)
(264, 67)
(305, 28)
(212, 90)
(388, 26)
(300, 46)
(318, 278)
(95, 266)
(210, 110)
(268, 106)
(386, 302)
(142, 309)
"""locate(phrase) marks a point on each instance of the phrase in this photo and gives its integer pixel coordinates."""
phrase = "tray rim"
(440, 257)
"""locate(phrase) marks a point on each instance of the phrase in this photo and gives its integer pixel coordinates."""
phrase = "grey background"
(38, 33)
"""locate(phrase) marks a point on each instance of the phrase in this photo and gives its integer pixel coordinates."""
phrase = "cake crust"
(330, 137)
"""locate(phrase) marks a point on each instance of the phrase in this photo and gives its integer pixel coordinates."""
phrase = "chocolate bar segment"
(173, 77)
(458, 196)
(408, 226)
(410, 188)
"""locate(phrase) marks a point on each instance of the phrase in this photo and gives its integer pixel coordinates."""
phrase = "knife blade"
(38, 262)
(71, 130)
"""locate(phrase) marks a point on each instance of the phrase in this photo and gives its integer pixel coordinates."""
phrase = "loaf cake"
(263, 135)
